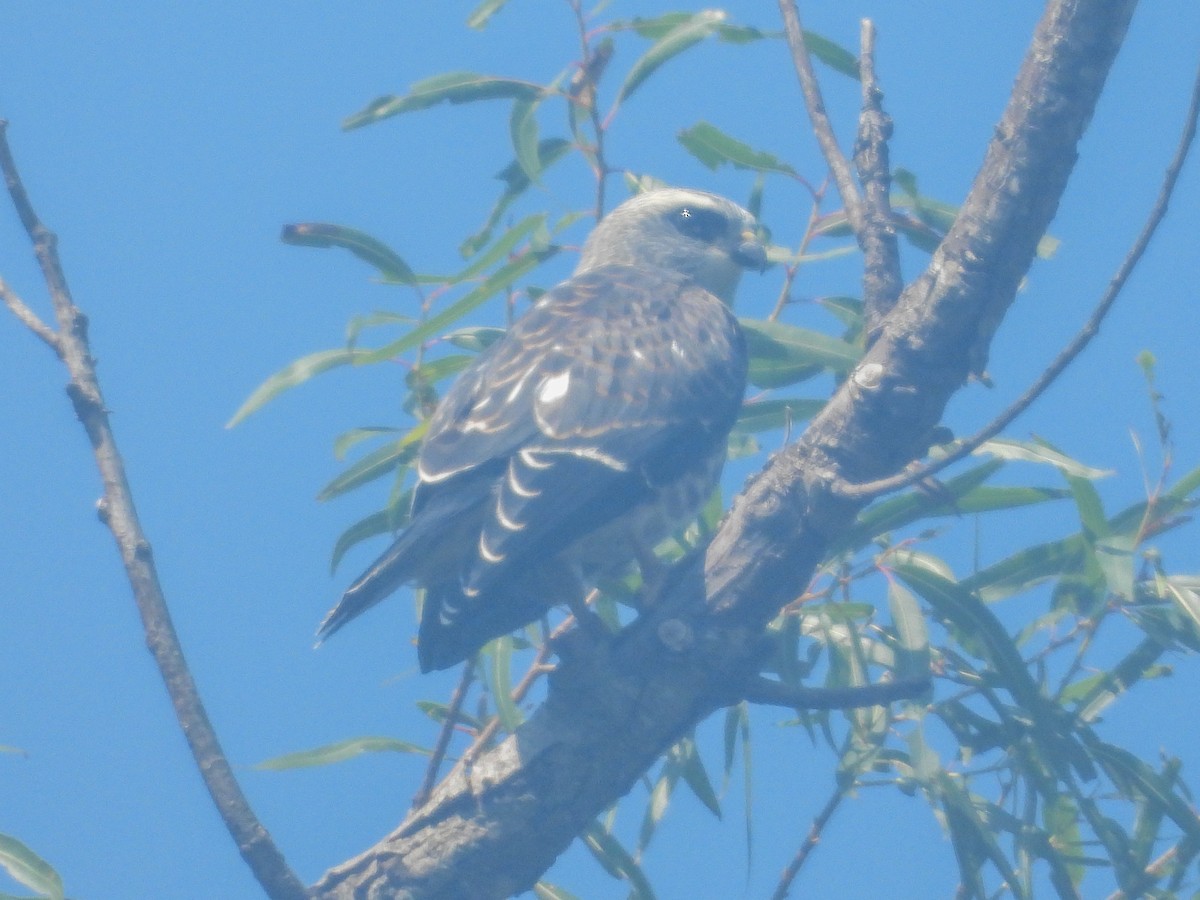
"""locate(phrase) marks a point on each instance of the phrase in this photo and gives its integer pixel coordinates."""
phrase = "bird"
(592, 430)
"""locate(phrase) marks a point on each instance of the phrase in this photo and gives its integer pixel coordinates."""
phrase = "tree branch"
(613, 707)
(118, 513)
(28, 317)
(1068, 354)
(822, 128)
(882, 281)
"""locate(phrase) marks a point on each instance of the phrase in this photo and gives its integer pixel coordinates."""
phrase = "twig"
(834, 158)
(882, 281)
(1090, 329)
(421, 797)
(810, 842)
(583, 91)
(29, 318)
(118, 513)
(814, 214)
(775, 693)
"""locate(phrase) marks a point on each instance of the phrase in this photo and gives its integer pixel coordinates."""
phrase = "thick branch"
(118, 513)
(491, 829)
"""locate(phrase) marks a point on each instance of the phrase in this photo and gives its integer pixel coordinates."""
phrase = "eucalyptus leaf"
(294, 374)
(449, 87)
(369, 249)
(339, 752)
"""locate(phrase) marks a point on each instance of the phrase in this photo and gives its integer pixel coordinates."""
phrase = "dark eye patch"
(701, 224)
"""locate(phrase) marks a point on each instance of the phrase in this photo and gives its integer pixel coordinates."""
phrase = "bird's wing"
(616, 382)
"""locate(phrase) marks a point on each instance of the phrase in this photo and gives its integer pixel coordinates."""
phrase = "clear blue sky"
(167, 144)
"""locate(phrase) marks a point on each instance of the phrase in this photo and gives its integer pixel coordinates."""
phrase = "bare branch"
(421, 797)
(29, 318)
(810, 842)
(118, 513)
(822, 128)
(1068, 354)
(882, 281)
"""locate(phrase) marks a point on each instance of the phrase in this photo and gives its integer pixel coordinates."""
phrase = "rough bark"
(491, 829)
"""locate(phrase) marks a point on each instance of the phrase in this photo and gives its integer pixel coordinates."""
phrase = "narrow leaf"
(322, 234)
(523, 129)
(483, 12)
(339, 752)
(913, 659)
(516, 182)
(498, 281)
(1039, 452)
(785, 354)
(29, 869)
(616, 860)
(500, 680)
(766, 415)
(687, 33)
(451, 87)
(377, 463)
(294, 374)
(713, 147)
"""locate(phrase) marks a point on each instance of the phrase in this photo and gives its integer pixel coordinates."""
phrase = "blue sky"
(168, 143)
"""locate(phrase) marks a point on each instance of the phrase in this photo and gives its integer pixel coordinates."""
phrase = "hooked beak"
(751, 254)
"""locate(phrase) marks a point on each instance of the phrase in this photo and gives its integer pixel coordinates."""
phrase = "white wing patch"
(554, 388)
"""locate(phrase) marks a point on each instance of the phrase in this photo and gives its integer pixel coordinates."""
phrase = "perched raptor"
(588, 433)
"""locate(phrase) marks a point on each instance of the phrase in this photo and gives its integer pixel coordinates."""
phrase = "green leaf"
(544, 890)
(29, 869)
(1133, 777)
(377, 463)
(1040, 452)
(696, 776)
(713, 147)
(658, 27)
(439, 711)
(503, 247)
(358, 324)
(912, 660)
(1105, 687)
(345, 441)
(1185, 594)
(498, 281)
(689, 32)
(973, 838)
(766, 415)
(784, 354)
(294, 374)
(339, 752)
(1027, 568)
(483, 12)
(616, 860)
(449, 87)
(385, 521)
(322, 234)
(476, 339)
(516, 182)
(499, 672)
(523, 129)
(833, 55)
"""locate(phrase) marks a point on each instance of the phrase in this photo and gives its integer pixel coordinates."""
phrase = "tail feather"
(386, 574)
(431, 543)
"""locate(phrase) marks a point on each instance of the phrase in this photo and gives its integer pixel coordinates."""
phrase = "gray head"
(706, 237)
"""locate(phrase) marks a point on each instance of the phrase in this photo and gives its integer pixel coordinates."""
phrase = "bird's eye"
(701, 224)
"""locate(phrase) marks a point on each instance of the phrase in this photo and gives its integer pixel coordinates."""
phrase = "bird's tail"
(427, 546)
(386, 574)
